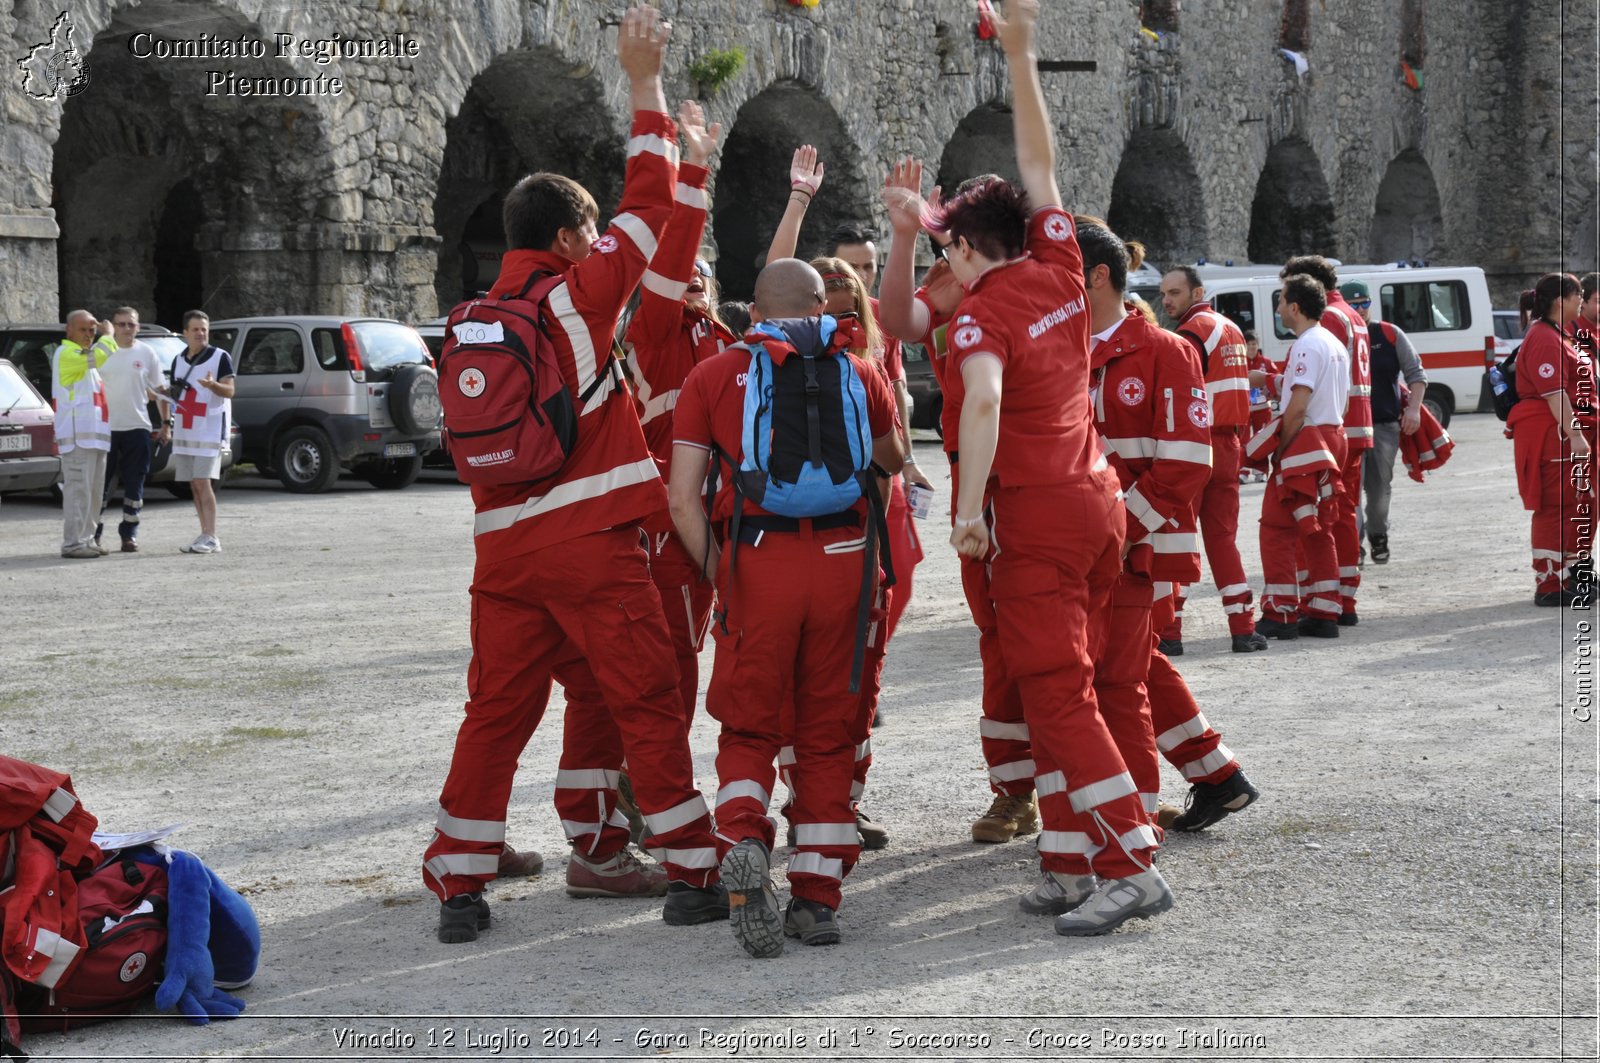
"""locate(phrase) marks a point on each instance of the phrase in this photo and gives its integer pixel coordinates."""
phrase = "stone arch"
(1159, 15)
(752, 180)
(983, 142)
(529, 110)
(1413, 33)
(1408, 221)
(1156, 198)
(1292, 213)
(164, 192)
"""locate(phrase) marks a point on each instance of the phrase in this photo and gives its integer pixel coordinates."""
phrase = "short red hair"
(992, 214)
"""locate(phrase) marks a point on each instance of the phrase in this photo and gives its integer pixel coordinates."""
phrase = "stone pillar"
(28, 267)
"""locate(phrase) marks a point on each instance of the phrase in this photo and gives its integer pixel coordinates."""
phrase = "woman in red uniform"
(1023, 331)
(1553, 428)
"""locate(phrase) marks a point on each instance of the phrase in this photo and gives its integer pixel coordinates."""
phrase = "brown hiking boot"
(1009, 816)
(621, 876)
(519, 865)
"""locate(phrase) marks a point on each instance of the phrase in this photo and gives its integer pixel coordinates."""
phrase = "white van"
(1445, 310)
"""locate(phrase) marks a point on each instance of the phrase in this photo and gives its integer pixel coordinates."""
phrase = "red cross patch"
(1131, 390)
(471, 382)
(1199, 415)
(133, 966)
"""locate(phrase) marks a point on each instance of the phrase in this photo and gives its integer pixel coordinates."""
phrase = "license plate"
(20, 441)
(399, 450)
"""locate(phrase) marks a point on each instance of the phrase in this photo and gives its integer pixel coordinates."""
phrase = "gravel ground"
(1417, 882)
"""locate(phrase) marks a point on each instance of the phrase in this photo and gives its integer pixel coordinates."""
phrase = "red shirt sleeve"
(691, 419)
(1053, 240)
(880, 403)
(973, 332)
(1541, 363)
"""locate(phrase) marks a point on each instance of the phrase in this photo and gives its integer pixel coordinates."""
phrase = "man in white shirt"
(132, 376)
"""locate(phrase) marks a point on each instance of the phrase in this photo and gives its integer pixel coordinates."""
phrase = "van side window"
(329, 346)
(1427, 306)
(1238, 307)
(1278, 328)
(272, 350)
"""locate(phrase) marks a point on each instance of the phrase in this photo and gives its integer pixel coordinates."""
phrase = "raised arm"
(805, 178)
(1036, 146)
(904, 316)
(659, 318)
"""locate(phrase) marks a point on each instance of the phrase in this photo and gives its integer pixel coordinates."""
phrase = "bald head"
(788, 287)
(80, 327)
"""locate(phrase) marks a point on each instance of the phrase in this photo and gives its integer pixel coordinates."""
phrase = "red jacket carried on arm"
(1308, 467)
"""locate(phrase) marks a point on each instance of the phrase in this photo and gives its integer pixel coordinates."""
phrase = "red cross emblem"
(470, 382)
(133, 966)
(100, 404)
(190, 408)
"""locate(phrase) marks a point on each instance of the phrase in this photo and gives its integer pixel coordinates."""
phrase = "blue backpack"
(807, 450)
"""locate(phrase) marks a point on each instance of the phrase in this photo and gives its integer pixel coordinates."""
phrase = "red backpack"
(508, 416)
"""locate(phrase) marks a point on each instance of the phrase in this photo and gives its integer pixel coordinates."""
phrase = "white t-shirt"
(1319, 361)
(127, 374)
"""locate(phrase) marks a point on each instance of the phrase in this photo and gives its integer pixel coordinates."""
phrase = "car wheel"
(1440, 402)
(391, 474)
(414, 400)
(305, 460)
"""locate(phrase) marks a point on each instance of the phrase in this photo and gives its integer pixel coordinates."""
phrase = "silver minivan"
(316, 395)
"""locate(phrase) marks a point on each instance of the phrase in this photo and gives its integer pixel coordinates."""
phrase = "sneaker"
(1210, 802)
(1317, 627)
(1283, 630)
(461, 917)
(101, 548)
(130, 546)
(1171, 647)
(1380, 549)
(1009, 816)
(1349, 619)
(1249, 643)
(1166, 814)
(621, 876)
(630, 808)
(80, 552)
(1115, 902)
(872, 835)
(811, 922)
(204, 544)
(690, 905)
(1057, 894)
(752, 903)
(519, 865)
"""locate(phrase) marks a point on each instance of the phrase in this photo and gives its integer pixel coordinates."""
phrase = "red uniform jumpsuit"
(1347, 327)
(1221, 347)
(1551, 483)
(562, 588)
(1150, 408)
(1056, 525)
(1302, 500)
(668, 339)
(790, 628)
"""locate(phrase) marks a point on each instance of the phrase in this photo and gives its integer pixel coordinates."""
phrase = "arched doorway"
(524, 113)
(753, 182)
(1292, 213)
(179, 285)
(984, 142)
(1408, 222)
(1156, 199)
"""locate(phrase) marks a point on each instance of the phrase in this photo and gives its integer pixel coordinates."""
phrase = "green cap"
(1354, 290)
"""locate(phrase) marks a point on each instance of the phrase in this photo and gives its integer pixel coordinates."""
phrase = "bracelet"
(909, 460)
(962, 522)
(803, 190)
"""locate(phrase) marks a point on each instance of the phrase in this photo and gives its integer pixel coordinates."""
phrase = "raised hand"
(699, 140)
(1016, 29)
(642, 42)
(902, 195)
(805, 171)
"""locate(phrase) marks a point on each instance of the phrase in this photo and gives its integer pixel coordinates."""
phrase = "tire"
(1440, 402)
(305, 460)
(414, 400)
(391, 474)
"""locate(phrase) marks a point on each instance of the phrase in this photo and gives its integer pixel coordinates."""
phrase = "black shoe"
(1277, 629)
(461, 917)
(1315, 627)
(1380, 549)
(1560, 597)
(1349, 619)
(1171, 647)
(1249, 643)
(813, 923)
(871, 834)
(1210, 802)
(690, 905)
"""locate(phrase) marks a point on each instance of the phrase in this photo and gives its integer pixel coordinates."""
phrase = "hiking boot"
(1564, 596)
(1283, 630)
(1380, 549)
(1166, 813)
(461, 917)
(1171, 647)
(1009, 816)
(630, 808)
(1057, 894)
(130, 546)
(518, 865)
(811, 922)
(1349, 619)
(872, 835)
(1316, 627)
(1210, 802)
(1249, 643)
(1115, 902)
(752, 903)
(621, 876)
(691, 905)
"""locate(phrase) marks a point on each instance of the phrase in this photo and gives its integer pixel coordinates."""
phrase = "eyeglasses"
(1361, 304)
(940, 251)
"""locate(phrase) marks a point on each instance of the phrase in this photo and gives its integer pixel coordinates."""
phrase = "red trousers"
(1219, 528)
(1346, 539)
(1562, 528)
(686, 601)
(1058, 556)
(1183, 734)
(1002, 730)
(1293, 528)
(789, 640)
(1122, 658)
(586, 613)
(905, 549)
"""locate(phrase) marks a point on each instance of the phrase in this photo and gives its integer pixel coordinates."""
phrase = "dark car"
(29, 346)
(28, 460)
(922, 388)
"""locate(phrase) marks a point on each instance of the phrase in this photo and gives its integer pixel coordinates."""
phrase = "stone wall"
(383, 200)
